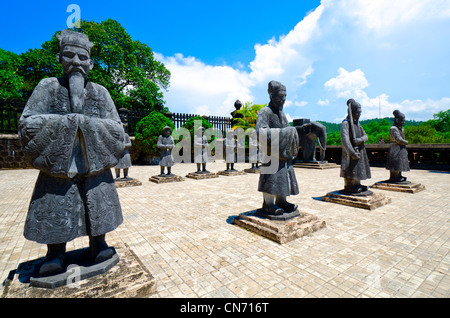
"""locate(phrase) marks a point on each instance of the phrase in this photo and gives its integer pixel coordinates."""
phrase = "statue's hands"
(358, 141)
(355, 155)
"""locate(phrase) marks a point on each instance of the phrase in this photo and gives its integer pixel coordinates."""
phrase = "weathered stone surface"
(165, 179)
(369, 202)
(127, 182)
(405, 186)
(197, 176)
(127, 279)
(231, 173)
(316, 165)
(280, 231)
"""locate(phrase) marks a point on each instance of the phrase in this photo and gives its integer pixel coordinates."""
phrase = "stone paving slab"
(183, 234)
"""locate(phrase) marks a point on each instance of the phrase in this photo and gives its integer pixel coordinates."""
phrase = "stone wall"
(11, 153)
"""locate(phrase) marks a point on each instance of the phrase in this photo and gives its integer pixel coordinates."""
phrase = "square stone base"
(279, 231)
(316, 165)
(405, 186)
(199, 176)
(165, 179)
(369, 202)
(231, 173)
(126, 182)
(126, 278)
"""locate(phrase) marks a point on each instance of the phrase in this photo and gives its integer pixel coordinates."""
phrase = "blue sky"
(386, 54)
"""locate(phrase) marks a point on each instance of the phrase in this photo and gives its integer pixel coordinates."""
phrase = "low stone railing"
(433, 156)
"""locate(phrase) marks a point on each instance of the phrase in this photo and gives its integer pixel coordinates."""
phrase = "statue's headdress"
(275, 86)
(69, 37)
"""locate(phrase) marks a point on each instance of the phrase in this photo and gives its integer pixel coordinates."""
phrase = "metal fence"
(10, 111)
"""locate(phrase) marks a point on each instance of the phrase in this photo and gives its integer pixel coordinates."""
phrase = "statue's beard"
(76, 91)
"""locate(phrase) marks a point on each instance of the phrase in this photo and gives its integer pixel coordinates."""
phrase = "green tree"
(249, 112)
(126, 67)
(11, 82)
(423, 134)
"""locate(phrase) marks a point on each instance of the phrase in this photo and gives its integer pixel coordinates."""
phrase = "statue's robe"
(74, 194)
(354, 168)
(273, 126)
(200, 151)
(125, 159)
(230, 149)
(398, 155)
(164, 143)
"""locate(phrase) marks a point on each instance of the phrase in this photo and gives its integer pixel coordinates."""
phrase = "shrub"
(147, 131)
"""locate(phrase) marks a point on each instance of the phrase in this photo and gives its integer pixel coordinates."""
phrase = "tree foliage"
(436, 130)
(249, 112)
(126, 67)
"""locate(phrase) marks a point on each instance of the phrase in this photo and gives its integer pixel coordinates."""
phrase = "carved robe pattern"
(74, 194)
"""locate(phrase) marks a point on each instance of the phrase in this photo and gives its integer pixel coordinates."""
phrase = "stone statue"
(230, 151)
(166, 144)
(281, 183)
(355, 164)
(200, 151)
(72, 133)
(253, 155)
(125, 159)
(308, 132)
(397, 160)
(235, 114)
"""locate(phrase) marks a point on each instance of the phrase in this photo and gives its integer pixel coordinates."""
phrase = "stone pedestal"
(201, 175)
(126, 182)
(231, 173)
(365, 200)
(252, 170)
(122, 276)
(166, 178)
(404, 186)
(280, 231)
(315, 165)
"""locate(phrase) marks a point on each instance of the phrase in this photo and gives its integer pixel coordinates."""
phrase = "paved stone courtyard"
(183, 234)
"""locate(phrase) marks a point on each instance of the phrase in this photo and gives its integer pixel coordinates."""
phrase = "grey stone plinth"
(126, 182)
(166, 178)
(279, 231)
(370, 201)
(404, 186)
(123, 276)
(231, 173)
(201, 175)
(315, 165)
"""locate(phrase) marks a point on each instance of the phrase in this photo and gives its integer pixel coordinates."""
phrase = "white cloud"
(196, 87)
(332, 35)
(352, 85)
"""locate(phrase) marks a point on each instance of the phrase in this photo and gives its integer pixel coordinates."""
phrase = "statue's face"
(278, 98)
(166, 132)
(400, 121)
(75, 59)
(356, 113)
